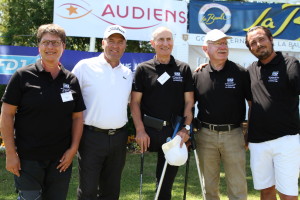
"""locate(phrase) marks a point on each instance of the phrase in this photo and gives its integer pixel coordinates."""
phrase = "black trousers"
(41, 180)
(101, 160)
(157, 139)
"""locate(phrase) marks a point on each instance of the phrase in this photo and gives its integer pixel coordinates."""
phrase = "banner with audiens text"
(89, 18)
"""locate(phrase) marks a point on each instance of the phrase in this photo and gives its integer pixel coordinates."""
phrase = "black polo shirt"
(276, 89)
(43, 122)
(221, 94)
(163, 101)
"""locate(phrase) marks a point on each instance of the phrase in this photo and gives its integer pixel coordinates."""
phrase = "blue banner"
(14, 57)
(236, 18)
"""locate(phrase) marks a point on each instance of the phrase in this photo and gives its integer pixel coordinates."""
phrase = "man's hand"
(66, 160)
(184, 134)
(201, 67)
(13, 164)
(143, 140)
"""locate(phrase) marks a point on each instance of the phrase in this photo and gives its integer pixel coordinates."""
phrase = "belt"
(107, 131)
(222, 127)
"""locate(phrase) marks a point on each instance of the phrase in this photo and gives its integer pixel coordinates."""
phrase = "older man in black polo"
(221, 89)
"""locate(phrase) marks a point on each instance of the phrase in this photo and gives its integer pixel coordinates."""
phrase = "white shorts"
(276, 162)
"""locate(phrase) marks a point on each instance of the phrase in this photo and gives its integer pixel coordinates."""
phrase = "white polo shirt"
(105, 91)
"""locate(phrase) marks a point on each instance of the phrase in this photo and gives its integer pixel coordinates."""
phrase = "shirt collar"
(171, 62)
(102, 61)
(40, 67)
(275, 61)
(211, 69)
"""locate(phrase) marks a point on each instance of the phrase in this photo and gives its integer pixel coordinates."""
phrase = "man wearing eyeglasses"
(106, 86)
(221, 89)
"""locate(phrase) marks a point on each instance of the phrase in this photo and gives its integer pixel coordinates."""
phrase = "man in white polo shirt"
(106, 86)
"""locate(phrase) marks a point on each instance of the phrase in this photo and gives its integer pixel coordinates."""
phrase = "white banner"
(89, 18)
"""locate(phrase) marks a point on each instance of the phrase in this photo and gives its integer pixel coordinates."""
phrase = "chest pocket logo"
(230, 83)
(177, 77)
(274, 78)
(66, 88)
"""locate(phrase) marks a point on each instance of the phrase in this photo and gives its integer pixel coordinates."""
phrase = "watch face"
(187, 127)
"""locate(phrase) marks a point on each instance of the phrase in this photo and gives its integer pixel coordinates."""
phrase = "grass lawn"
(131, 180)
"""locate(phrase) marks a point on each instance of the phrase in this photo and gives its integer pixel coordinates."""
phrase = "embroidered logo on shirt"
(274, 77)
(177, 77)
(230, 83)
(124, 77)
(65, 88)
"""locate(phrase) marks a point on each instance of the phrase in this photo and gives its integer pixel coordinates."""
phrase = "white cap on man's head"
(215, 35)
(174, 154)
(114, 29)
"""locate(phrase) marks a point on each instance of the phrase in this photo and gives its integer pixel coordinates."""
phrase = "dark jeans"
(101, 160)
(40, 180)
(157, 139)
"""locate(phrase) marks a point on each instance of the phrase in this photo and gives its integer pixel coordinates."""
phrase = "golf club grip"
(192, 138)
(178, 124)
(176, 130)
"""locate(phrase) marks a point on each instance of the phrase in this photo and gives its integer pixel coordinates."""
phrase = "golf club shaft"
(199, 174)
(141, 175)
(186, 176)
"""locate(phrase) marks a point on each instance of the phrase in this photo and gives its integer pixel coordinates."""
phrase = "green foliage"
(139, 47)
(22, 18)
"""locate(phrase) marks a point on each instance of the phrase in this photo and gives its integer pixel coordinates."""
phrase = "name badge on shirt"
(66, 96)
(163, 78)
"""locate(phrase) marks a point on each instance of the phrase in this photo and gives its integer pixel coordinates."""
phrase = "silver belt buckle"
(111, 132)
(229, 128)
(165, 123)
(211, 127)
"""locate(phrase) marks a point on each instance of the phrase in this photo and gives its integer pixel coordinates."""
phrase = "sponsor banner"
(14, 57)
(89, 18)
(236, 18)
(238, 42)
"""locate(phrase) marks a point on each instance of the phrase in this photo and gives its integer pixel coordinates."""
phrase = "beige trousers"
(214, 147)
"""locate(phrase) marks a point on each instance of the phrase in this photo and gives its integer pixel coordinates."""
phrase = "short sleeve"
(13, 91)
(137, 84)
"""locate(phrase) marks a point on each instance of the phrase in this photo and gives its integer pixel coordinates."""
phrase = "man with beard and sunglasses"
(273, 134)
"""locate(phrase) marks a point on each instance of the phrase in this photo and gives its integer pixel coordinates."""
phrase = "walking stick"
(141, 175)
(178, 124)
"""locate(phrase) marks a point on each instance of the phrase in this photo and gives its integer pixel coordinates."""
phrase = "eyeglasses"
(55, 43)
(218, 44)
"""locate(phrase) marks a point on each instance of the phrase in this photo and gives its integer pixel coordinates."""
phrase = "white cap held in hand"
(175, 155)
